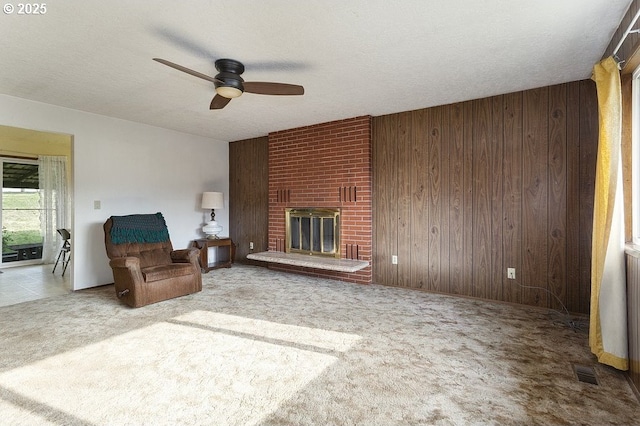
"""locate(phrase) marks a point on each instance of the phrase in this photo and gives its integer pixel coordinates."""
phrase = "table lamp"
(212, 200)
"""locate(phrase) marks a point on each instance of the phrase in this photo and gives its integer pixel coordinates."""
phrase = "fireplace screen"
(313, 231)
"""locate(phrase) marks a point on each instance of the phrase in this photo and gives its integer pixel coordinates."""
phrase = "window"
(21, 235)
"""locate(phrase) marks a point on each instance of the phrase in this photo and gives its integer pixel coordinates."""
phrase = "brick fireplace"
(324, 166)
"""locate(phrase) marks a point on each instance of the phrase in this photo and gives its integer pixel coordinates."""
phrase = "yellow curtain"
(608, 320)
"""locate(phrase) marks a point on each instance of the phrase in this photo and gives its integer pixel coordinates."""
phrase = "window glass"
(21, 235)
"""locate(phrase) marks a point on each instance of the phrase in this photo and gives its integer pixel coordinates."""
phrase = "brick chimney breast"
(324, 165)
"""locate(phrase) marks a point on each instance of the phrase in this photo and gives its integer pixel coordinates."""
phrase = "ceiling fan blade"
(219, 102)
(187, 70)
(264, 88)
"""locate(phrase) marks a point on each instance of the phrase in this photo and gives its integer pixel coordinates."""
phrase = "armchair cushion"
(155, 257)
(165, 272)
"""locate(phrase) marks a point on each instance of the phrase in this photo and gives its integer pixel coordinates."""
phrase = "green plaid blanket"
(139, 228)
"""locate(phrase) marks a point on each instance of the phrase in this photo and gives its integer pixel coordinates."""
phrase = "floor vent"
(585, 374)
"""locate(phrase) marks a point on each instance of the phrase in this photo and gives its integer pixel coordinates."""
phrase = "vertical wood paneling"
(443, 127)
(512, 196)
(457, 225)
(405, 223)
(237, 224)
(488, 184)
(588, 154)
(534, 195)
(574, 269)
(385, 176)
(249, 195)
(468, 194)
(557, 193)
(420, 184)
(482, 174)
(436, 192)
(496, 179)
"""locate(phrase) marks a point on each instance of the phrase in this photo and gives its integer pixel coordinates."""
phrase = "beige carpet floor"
(259, 347)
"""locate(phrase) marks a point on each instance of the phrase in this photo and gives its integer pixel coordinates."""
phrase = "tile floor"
(24, 283)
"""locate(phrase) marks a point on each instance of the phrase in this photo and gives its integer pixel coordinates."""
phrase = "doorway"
(19, 151)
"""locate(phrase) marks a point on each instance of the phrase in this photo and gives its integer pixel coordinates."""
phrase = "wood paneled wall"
(464, 191)
(249, 195)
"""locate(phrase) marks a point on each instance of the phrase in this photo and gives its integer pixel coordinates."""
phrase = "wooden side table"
(225, 253)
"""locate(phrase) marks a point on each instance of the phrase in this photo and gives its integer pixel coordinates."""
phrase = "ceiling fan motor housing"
(229, 74)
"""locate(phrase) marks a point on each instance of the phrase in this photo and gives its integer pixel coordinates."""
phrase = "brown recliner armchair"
(145, 267)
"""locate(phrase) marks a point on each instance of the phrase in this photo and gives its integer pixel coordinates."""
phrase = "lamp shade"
(212, 200)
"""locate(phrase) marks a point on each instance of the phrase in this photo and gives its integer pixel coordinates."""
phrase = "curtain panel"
(608, 319)
(54, 203)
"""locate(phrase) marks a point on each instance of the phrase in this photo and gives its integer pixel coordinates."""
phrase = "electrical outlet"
(511, 273)
(96, 205)
(394, 259)
(251, 245)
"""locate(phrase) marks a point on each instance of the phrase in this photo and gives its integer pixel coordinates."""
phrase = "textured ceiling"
(358, 57)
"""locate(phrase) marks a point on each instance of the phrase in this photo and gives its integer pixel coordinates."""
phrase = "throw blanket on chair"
(139, 228)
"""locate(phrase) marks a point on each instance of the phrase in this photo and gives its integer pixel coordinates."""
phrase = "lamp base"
(211, 230)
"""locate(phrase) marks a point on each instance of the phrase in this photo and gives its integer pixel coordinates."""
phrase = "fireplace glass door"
(313, 231)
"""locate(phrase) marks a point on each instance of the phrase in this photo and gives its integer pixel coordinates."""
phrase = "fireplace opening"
(313, 231)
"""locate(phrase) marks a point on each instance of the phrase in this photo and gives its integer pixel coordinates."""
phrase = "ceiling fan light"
(228, 92)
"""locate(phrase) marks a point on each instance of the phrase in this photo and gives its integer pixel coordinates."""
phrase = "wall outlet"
(511, 273)
(251, 245)
(96, 205)
(394, 259)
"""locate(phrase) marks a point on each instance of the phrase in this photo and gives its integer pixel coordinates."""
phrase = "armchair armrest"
(127, 277)
(125, 262)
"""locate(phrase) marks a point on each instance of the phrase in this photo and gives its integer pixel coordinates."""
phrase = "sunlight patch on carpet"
(176, 373)
(325, 339)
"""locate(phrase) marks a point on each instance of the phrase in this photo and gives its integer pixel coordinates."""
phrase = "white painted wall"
(130, 168)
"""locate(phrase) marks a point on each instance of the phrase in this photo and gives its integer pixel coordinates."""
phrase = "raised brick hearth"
(325, 165)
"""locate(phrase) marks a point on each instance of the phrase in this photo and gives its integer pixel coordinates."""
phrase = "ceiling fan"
(229, 84)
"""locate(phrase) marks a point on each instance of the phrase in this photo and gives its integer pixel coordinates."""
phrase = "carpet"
(262, 347)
